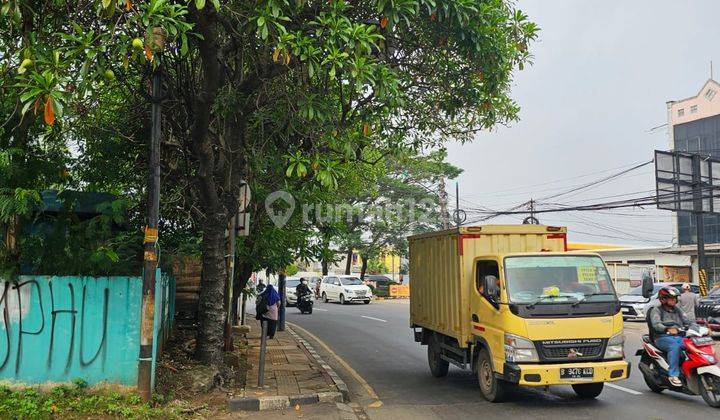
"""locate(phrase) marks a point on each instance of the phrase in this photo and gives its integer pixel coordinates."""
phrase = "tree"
(313, 85)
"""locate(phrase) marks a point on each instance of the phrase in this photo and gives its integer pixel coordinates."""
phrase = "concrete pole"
(150, 260)
(261, 365)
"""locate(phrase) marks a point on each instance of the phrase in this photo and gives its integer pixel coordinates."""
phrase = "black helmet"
(668, 292)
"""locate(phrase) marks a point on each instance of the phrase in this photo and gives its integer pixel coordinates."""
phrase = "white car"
(344, 289)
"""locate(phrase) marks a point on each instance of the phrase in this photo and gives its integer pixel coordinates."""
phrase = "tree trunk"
(211, 313)
(348, 264)
(363, 267)
(324, 267)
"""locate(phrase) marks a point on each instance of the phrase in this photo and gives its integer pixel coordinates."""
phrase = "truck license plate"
(576, 373)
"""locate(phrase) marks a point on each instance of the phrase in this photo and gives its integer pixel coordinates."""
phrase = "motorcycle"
(700, 373)
(305, 303)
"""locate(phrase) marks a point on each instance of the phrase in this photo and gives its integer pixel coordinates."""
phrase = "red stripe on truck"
(562, 236)
(479, 328)
(463, 237)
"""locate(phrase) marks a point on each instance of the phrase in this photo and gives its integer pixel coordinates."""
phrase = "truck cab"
(546, 319)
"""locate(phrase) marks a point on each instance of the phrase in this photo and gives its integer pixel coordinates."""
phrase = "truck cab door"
(486, 307)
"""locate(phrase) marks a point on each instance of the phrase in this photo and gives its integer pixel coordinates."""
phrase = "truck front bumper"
(543, 375)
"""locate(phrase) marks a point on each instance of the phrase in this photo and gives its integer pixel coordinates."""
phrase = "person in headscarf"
(272, 298)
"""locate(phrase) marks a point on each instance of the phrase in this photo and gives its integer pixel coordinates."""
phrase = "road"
(377, 343)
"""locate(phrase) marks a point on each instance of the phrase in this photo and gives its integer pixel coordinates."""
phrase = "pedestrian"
(688, 301)
(260, 286)
(267, 308)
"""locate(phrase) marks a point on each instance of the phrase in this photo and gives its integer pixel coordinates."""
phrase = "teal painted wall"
(55, 329)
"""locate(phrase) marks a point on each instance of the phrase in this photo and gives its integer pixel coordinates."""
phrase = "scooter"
(700, 373)
(305, 303)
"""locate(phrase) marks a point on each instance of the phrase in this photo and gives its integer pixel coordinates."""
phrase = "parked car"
(708, 310)
(634, 306)
(344, 289)
(380, 283)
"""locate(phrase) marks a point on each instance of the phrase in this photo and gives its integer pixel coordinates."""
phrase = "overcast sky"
(602, 73)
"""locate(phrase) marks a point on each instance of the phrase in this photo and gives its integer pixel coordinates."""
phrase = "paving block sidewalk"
(294, 374)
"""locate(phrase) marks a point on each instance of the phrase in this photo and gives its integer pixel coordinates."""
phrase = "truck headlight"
(615, 347)
(518, 349)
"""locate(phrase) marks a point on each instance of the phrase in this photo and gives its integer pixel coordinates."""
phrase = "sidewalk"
(294, 374)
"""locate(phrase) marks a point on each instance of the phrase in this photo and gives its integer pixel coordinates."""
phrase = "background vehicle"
(700, 373)
(305, 303)
(290, 285)
(634, 306)
(708, 310)
(344, 289)
(381, 283)
(507, 302)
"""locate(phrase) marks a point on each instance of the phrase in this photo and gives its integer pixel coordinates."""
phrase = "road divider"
(399, 290)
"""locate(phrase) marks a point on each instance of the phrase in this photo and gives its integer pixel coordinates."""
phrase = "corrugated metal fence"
(57, 329)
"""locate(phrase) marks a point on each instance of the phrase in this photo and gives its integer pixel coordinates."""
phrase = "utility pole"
(699, 220)
(229, 287)
(531, 220)
(150, 259)
(282, 286)
(457, 204)
(443, 204)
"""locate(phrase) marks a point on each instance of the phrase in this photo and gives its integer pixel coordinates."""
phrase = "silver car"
(634, 306)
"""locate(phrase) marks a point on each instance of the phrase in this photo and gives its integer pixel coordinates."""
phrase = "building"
(627, 265)
(694, 127)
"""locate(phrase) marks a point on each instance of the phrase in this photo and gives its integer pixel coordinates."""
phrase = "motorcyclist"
(302, 289)
(666, 320)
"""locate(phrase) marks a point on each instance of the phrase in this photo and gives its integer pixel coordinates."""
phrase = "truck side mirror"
(492, 290)
(647, 287)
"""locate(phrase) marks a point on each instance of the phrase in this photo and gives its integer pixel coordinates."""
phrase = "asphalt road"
(377, 342)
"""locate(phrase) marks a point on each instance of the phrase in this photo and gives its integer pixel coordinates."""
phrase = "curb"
(281, 402)
(339, 383)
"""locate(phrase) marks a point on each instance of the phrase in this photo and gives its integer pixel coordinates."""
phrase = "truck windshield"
(552, 279)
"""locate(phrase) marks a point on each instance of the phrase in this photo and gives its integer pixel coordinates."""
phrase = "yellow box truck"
(509, 303)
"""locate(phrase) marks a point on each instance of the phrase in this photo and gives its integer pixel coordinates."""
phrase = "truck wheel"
(324, 297)
(588, 391)
(438, 367)
(492, 388)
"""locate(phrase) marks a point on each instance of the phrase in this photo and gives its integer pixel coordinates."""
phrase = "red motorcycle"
(699, 366)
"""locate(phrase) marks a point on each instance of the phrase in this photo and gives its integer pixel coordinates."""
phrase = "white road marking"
(376, 319)
(320, 309)
(622, 388)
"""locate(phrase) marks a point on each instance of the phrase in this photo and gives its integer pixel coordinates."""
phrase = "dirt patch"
(200, 389)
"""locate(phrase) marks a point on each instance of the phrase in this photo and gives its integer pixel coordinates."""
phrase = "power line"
(559, 180)
(598, 182)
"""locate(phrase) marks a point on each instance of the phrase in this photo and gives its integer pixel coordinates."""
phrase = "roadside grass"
(76, 401)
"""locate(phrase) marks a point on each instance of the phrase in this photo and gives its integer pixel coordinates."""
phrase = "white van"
(344, 289)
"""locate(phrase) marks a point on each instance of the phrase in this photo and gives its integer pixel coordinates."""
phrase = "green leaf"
(216, 3)
(199, 4)
(183, 45)
(106, 3)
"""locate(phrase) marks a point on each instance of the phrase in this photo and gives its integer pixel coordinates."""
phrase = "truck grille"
(563, 350)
